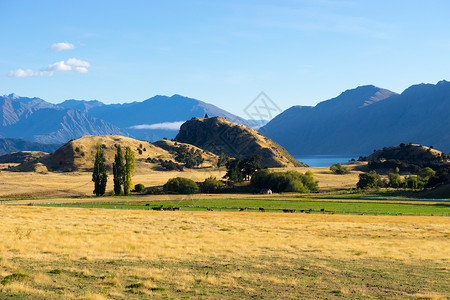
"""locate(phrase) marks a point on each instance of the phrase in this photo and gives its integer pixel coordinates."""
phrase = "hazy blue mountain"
(35, 103)
(366, 118)
(15, 145)
(83, 105)
(159, 116)
(37, 120)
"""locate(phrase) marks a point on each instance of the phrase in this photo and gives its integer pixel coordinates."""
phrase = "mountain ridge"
(418, 114)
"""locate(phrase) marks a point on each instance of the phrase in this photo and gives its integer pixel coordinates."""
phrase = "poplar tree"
(129, 169)
(99, 176)
(118, 171)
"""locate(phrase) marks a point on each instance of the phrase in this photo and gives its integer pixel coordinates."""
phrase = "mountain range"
(355, 122)
(37, 120)
(366, 118)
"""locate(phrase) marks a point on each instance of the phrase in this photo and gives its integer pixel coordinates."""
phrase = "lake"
(325, 159)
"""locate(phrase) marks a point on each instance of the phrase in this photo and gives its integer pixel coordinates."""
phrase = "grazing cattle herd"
(261, 209)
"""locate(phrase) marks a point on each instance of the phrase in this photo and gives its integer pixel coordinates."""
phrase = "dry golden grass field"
(84, 253)
(79, 183)
(74, 253)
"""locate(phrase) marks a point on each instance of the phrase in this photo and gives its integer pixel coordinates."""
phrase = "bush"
(394, 180)
(169, 165)
(139, 187)
(290, 181)
(369, 181)
(189, 156)
(211, 185)
(339, 169)
(181, 185)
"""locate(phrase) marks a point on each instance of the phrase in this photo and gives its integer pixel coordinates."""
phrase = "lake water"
(325, 160)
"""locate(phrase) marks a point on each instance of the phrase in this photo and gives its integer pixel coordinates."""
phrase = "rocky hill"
(366, 118)
(218, 135)
(79, 154)
(412, 153)
(408, 158)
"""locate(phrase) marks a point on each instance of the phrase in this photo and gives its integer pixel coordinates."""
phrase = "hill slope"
(219, 135)
(366, 118)
(79, 154)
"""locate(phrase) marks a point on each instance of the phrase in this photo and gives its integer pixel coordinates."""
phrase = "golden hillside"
(79, 154)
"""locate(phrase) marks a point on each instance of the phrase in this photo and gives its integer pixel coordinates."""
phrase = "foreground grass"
(99, 253)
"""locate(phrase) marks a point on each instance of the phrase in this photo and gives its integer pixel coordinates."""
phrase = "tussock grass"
(147, 254)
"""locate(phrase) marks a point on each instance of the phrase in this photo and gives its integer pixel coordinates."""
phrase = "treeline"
(426, 178)
(250, 169)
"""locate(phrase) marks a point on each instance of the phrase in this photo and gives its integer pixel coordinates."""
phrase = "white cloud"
(80, 70)
(28, 73)
(62, 46)
(77, 62)
(58, 66)
(72, 64)
(162, 126)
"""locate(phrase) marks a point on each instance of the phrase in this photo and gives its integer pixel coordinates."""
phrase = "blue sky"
(221, 52)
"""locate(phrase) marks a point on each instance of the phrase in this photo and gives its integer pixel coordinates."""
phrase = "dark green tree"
(118, 171)
(250, 166)
(234, 172)
(99, 176)
(129, 169)
(211, 185)
(369, 181)
(181, 185)
(394, 180)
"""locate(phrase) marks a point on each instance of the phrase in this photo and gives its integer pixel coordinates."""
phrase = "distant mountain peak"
(13, 96)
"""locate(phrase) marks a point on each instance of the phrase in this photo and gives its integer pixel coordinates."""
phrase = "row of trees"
(394, 180)
(122, 171)
(183, 185)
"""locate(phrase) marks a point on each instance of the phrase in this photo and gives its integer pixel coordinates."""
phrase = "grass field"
(116, 254)
(340, 206)
(57, 241)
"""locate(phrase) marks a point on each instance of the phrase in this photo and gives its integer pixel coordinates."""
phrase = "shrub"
(339, 169)
(290, 181)
(369, 181)
(394, 180)
(181, 185)
(211, 185)
(139, 187)
(169, 165)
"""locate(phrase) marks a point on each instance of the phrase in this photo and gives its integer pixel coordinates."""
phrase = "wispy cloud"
(161, 126)
(62, 46)
(72, 64)
(77, 62)
(28, 73)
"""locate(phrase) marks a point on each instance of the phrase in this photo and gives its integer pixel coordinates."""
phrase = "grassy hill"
(79, 154)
